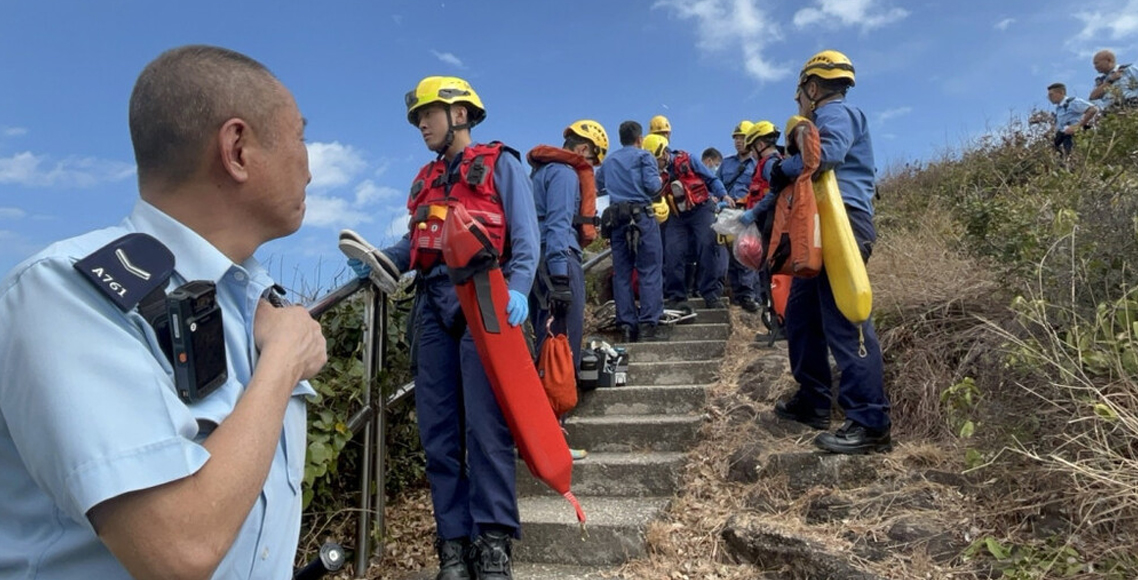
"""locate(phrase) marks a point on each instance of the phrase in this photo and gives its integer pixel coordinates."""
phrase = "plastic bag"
(748, 248)
(727, 222)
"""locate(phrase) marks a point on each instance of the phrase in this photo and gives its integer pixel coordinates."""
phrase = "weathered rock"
(804, 470)
(779, 427)
(758, 378)
(828, 508)
(743, 465)
(912, 532)
(760, 543)
(949, 479)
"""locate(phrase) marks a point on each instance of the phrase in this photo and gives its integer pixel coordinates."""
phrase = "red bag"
(556, 369)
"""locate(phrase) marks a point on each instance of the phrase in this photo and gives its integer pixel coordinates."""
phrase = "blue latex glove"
(721, 205)
(361, 269)
(517, 309)
(748, 217)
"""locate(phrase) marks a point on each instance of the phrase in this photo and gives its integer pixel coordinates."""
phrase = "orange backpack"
(556, 369)
(796, 238)
(585, 221)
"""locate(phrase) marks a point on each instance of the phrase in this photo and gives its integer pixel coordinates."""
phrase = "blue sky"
(931, 77)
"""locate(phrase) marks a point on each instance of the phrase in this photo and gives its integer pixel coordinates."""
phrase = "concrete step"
(683, 332)
(676, 350)
(623, 433)
(711, 316)
(615, 475)
(673, 373)
(643, 400)
(529, 571)
(551, 534)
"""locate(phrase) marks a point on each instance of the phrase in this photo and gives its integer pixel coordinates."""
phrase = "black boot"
(452, 559)
(490, 556)
(628, 334)
(747, 303)
(651, 333)
(797, 410)
(852, 439)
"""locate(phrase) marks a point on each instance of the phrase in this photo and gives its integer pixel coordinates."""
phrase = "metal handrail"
(372, 414)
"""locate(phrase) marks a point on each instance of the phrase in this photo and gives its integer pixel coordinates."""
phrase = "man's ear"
(233, 139)
(459, 114)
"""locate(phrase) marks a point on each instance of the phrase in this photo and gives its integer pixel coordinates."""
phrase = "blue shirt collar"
(196, 258)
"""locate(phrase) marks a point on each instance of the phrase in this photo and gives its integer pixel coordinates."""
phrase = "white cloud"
(893, 113)
(367, 193)
(448, 58)
(1004, 24)
(739, 26)
(11, 213)
(333, 212)
(13, 131)
(31, 170)
(1118, 19)
(333, 165)
(836, 13)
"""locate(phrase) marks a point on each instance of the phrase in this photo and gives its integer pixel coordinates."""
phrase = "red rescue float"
(473, 265)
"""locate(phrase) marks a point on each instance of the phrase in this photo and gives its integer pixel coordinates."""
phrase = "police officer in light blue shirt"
(106, 472)
(631, 179)
(1115, 86)
(1071, 114)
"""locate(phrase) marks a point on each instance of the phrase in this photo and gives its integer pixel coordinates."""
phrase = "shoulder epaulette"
(128, 269)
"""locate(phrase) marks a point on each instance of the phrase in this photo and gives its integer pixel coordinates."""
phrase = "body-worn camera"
(196, 339)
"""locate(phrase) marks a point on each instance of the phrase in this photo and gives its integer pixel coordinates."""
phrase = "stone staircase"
(636, 436)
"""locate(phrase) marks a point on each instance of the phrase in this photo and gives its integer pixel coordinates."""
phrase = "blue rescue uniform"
(88, 410)
(736, 177)
(813, 321)
(470, 453)
(692, 229)
(630, 176)
(557, 197)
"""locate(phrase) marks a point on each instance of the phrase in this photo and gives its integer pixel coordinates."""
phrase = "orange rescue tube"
(483, 295)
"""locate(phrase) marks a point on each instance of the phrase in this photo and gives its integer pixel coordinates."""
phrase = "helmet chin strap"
(449, 140)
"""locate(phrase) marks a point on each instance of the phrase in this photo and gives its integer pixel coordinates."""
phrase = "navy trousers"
(470, 453)
(573, 325)
(648, 263)
(692, 230)
(815, 327)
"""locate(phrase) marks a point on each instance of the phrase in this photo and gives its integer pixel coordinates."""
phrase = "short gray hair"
(182, 97)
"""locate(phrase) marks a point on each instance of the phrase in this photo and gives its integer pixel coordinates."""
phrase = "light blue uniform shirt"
(1126, 86)
(1069, 111)
(736, 175)
(847, 149)
(88, 410)
(513, 186)
(714, 185)
(557, 197)
(629, 174)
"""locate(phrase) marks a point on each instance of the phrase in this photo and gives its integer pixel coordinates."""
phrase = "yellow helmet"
(655, 144)
(660, 208)
(659, 123)
(742, 128)
(447, 90)
(759, 130)
(828, 64)
(594, 132)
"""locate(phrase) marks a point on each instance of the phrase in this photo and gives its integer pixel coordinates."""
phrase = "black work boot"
(452, 559)
(714, 303)
(628, 334)
(490, 556)
(651, 333)
(853, 438)
(797, 410)
(747, 303)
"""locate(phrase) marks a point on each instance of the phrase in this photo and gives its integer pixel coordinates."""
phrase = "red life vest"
(694, 187)
(585, 221)
(759, 185)
(432, 197)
